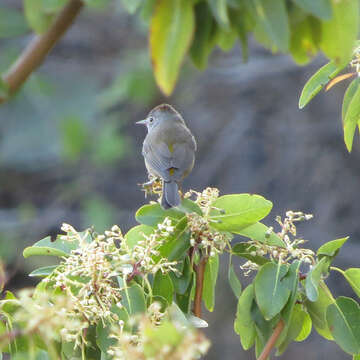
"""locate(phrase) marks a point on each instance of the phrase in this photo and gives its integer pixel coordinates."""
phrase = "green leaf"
(135, 234)
(225, 39)
(154, 214)
(43, 271)
(171, 31)
(352, 276)
(349, 94)
(272, 19)
(188, 206)
(317, 310)
(210, 277)
(352, 118)
(220, 12)
(234, 281)
(261, 233)
(295, 327)
(318, 81)
(318, 8)
(51, 248)
(248, 252)
(38, 19)
(238, 211)
(271, 292)
(244, 324)
(12, 23)
(331, 248)
(131, 5)
(340, 32)
(163, 286)
(203, 42)
(305, 328)
(103, 338)
(313, 279)
(343, 318)
(177, 243)
(133, 299)
(181, 283)
(302, 43)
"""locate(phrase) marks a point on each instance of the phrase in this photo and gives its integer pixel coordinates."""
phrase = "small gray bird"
(169, 151)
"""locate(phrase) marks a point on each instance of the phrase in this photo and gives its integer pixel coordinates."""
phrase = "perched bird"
(169, 151)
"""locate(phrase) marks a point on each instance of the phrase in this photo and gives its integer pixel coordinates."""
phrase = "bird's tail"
(170, 195)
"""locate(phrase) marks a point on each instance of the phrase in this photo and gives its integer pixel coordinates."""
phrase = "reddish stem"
(272, 341)
(199, 270)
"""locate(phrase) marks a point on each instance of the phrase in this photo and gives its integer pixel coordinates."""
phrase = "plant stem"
(271, 342)
(36, 51)
(199, 270)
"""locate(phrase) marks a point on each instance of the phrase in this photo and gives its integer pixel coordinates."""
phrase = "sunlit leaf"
(238, 211)
(36, 16)
(313, 279)
(163, 286)
(234, 281)
(340, 32)
(220, 12)
(43, 271)
(331, 248)
(317, 82)
(135, 234)
(349, 93)
(171, 32)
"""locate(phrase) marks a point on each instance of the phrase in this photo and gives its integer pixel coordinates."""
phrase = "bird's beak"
(141, 122)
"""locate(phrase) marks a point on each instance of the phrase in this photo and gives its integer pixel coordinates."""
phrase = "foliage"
(115, 296)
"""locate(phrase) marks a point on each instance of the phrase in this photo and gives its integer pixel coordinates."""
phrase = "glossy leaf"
(343, 318)
(203, 42)
(12, 23)
(188, 206)
(181, 283)
(305, 328)
(272, 18)
(153, 214)
(244, 324)
(352, 276)
(271, 292)
(317, 82)
(317, 310)
(352, 118)
(51, 248)
(313, 279)
(238, 211)
(135, 234)
(43, 271)
(349, 94)
(210, 277)
(340, 32)
(261, 233)
(171, 32)
(103, 338)
(163, 286)
(318, 8)
(331, 248)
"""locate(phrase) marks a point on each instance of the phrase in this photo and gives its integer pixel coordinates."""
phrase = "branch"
(36, 51)
(271, 342)
(199, 270)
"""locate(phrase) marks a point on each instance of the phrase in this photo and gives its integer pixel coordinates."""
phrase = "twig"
(271, 342)
(39, 47)
(199, 270)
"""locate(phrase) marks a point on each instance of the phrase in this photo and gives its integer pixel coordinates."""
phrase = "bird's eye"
(151, 120)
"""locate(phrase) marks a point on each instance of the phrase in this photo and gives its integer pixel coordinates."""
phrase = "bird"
(169, 151)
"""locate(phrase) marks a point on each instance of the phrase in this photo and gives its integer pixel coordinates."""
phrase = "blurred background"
(70, 152)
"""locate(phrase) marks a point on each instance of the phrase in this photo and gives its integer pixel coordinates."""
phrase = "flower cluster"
(288, 235)
(157, 338)
(204, 199)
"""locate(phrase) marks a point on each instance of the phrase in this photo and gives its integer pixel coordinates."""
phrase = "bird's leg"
(153, 186)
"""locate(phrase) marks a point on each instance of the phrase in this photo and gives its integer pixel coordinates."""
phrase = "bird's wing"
(158, 159)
